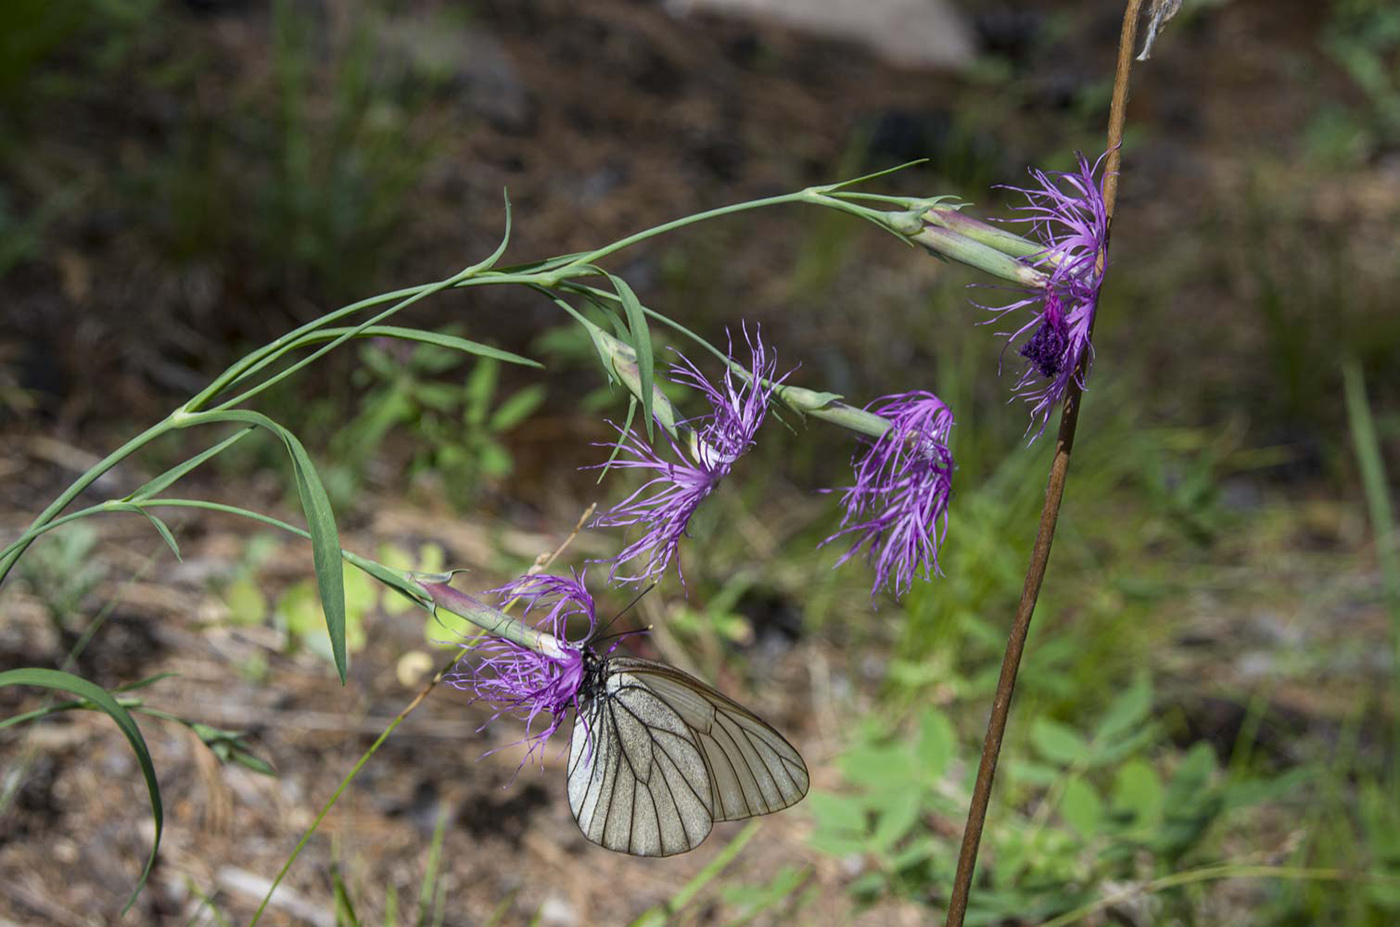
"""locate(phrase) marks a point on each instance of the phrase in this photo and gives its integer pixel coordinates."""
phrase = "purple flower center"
(1046, 348)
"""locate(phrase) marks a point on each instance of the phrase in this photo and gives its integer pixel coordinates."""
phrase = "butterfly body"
(658, 756)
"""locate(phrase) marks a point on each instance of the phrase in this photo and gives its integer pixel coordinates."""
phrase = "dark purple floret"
(1046, 348)
(898, 507)
(680, 481)
(1068, 215)
(525, 683)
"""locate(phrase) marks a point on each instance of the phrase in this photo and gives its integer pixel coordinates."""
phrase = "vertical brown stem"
(1049, 515)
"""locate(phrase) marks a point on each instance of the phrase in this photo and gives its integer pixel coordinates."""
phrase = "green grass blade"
(662, 914)
(1373, 481)
(76, 685)
(427, 889)
(344, 907)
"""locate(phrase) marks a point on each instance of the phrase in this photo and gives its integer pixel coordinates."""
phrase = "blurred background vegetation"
(1211, 683)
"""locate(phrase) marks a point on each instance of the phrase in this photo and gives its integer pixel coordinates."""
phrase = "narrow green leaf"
(641, 343)
(453, 342)
(490, 260)
(164, 531)
(160, 483)
(325, 548)
(67, 682)
(320, 523)
(841, 184)
(517, 408)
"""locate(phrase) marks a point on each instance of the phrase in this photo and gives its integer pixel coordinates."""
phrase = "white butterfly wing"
(752, 768)
(637, 781)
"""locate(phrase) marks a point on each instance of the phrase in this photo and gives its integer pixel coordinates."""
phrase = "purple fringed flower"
(665, 502)
(898, 507)
(1067, 214)
(525, 683)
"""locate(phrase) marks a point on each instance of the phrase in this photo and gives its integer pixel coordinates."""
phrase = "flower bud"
(965, 250)
(954, 220)
(619, 359)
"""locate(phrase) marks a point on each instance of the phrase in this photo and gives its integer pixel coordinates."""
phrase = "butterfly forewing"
(637, 780)
(657, 757)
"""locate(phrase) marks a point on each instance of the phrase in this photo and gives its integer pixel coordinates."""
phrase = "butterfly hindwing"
(637, 780)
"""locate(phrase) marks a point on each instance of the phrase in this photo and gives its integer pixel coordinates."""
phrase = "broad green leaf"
(361, 595)
(918, 850)
(1127, 712)
(1058, 743)
(394, 562)
(76, 685)
(1030, 772)
(837, 812)
(297, 609)
(1137, 791)
(937, 746)
(837, 843)
(245, 601)
(897, 819)
(641, 343)
(1081, 808)
(876, 767)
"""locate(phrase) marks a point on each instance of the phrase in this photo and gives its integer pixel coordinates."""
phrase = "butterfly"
(657, 757)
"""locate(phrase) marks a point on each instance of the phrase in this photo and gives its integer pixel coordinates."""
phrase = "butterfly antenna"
(625, 610)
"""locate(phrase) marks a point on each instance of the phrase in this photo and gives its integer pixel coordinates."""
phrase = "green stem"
(255, 361)
(593, 256)
(16, 550)
(281, 375)
(547, 274)
(330, 803)
(491, 620)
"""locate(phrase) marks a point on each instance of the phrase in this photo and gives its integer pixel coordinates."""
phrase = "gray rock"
(930, 34)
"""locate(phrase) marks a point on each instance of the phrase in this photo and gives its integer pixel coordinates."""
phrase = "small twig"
(541, 563)
(1049, 515)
